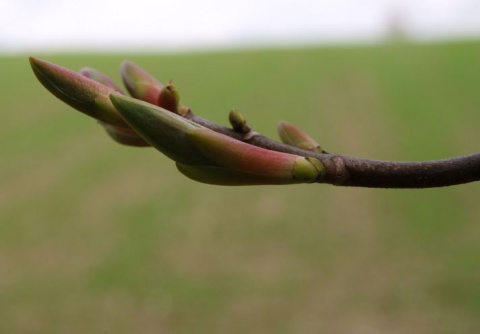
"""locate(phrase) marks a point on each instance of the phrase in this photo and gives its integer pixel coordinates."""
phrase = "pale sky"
(57, 25)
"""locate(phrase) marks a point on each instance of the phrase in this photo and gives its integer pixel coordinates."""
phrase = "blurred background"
(100, 238)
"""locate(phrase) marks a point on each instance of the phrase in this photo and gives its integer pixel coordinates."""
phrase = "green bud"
(308, 169)
(238, 122)
(292, 135)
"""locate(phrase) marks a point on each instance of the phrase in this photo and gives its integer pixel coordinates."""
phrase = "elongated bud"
(78, 91)
(169, 98)
(229, 177)
(166, 131)
(238, 122)
(233, 154)
(292, 135)
(140, 84)
(99, 77)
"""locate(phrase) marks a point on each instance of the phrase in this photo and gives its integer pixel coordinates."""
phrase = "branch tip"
(214, 154)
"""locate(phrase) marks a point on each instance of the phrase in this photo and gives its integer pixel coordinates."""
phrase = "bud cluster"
(154, 116)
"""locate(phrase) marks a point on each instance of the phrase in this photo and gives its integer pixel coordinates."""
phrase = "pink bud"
(140, 84)
(78, 91)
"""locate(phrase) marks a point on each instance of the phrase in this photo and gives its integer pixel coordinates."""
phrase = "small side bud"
(169, 98)
(238, 122)
(292, 135)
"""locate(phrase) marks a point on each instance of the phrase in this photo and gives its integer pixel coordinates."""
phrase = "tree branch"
(162, 121)
(342, 170)
(348, 171)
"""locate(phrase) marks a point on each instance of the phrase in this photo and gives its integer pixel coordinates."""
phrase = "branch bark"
(348, 171)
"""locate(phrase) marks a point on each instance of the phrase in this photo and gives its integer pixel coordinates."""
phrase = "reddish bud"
(139, 83)
(234, 154)
(78, 91)
(169, 98)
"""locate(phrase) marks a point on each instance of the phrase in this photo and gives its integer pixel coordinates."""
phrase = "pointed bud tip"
(76, 90)
(294, 136)
(126, 63)
(133, 70)
(40, 66)
(32, 60)
(139, 83)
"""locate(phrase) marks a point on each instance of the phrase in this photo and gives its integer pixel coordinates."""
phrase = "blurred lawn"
(100, 238)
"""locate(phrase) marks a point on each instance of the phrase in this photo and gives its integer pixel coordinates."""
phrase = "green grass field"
(100, 238)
